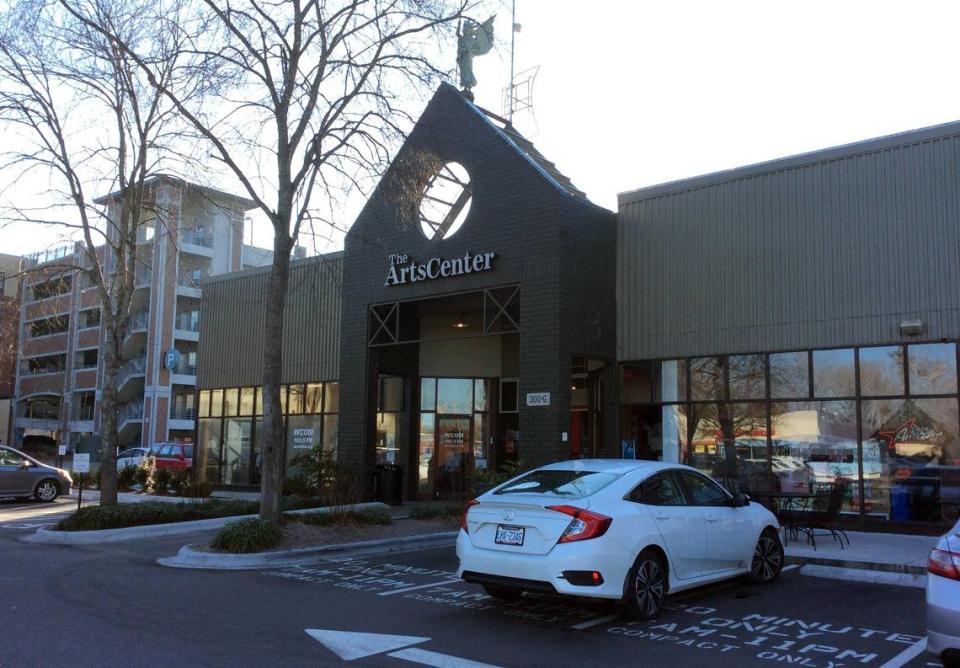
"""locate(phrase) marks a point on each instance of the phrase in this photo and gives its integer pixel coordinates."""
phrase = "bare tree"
(317, 102)
(89, 120)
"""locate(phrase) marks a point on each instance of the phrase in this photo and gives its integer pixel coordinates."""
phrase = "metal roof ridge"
(794, 161)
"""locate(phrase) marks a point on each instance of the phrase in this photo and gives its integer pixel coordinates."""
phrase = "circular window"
(446, 202)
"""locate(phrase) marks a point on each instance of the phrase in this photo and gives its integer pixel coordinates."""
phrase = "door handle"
(710, 518)
(662, 516)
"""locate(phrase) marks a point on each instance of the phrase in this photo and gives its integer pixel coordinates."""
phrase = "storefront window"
(216, 403)
(933, 368)
(748, 376)
(304, 432)
(480, 395)
(387, 446)
(204, 404)
(728, 441)
(237, 447)
(833, 373)
(881, 371)
(815, 442)
(231, 401)
(331, 426)
(295, 396)
(208, 450)
(706, 379)
(428, 427)
(455, 396)
(258, 403)
(331, 400)
(789, 375)
(314, 398)
(673, 380)
(918, 470)
(246, 401)
(391, 393)
(428, 394)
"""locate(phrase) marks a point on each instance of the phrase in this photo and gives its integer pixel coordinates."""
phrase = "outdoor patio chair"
(820, 518)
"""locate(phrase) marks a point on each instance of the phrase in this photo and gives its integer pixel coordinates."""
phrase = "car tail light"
(463, 518)
(584, 525)
(945, 564)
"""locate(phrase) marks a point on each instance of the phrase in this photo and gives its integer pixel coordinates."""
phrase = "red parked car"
(173, 456)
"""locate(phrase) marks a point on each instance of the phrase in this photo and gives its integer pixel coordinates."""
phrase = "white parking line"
(906, 655)
(432, 584)
(593, 622)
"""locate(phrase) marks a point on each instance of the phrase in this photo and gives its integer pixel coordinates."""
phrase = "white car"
(615, 529)
(943, 599)
(131, 457)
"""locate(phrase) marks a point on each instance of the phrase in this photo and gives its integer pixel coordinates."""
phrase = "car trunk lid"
(541, 528)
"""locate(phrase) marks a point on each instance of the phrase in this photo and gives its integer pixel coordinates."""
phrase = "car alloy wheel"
(767, 558)
(648, 587)
(47, 490)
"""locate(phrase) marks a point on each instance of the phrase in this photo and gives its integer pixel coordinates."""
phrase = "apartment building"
(9, 324)
(194, 232)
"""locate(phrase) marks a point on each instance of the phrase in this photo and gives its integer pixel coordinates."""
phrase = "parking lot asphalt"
(112, 605)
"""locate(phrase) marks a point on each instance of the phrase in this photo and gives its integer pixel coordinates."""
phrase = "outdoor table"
(784, 504)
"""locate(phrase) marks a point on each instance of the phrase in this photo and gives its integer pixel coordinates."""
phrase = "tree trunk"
(109, 426)
(271, 484)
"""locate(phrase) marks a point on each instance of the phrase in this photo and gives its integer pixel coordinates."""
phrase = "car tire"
(767, 558)
(647, 586)
(47, 490)
(503, 593)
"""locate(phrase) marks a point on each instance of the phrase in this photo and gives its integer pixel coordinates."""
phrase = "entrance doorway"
(454, 462)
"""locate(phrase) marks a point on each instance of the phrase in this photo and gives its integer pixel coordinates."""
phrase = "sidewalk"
(881, 558)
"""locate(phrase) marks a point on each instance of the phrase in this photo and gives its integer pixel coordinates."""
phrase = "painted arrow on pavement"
(350, 645)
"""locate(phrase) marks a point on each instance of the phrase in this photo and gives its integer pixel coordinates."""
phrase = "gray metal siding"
(832, 252)
(232, 319)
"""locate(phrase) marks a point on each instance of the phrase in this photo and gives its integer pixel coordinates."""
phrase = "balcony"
(142, 278)
(129, 421)
(38, 423)
(182, 417)
(188, 284)
(196, 242)
(187, 326)
(133, 369)
(185, 372)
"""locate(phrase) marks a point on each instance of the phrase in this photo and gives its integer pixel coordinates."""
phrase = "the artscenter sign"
(403, 269)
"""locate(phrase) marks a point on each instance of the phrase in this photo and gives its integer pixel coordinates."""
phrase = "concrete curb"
(188, 557)
(53, 537)
(874, 566)
(864, 575)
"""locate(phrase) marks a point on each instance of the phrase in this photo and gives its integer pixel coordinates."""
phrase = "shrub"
(250, 535)
(318, 470)
(193, 490)
(140, 514)
(298, 486)
(488, 478)
(126, 477)
(145, 473)
(161, 480)
(346, 517)
(436, 512)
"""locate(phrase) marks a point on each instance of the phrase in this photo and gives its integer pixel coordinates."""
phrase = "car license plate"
(509, 535)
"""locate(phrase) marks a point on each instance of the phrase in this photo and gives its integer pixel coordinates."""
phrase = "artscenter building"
(782, 324)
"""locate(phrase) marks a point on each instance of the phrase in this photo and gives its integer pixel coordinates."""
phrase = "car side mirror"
(740, 500)
(24, 465)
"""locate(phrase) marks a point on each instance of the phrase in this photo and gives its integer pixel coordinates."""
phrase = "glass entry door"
(452, 466)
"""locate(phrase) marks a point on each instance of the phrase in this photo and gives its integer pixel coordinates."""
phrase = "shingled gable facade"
(781, 326)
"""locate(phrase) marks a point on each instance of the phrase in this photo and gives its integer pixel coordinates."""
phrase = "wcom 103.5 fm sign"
(538, 398)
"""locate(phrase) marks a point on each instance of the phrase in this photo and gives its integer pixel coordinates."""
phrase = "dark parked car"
(23, 476)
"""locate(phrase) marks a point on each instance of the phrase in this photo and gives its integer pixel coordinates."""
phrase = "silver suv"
(23, 476)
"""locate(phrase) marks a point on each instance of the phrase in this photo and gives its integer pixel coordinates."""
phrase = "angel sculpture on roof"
(475, 39)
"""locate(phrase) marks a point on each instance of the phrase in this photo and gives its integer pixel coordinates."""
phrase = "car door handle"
(710, 518)
(661, 516)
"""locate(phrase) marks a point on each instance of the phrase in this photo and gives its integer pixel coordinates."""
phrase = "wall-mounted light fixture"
(911, 327)
(461, 322)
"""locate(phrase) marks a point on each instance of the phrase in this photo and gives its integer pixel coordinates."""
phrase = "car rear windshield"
(568, 484)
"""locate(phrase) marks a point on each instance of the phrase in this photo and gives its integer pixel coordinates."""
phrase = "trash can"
(899, 504)
(389, 484)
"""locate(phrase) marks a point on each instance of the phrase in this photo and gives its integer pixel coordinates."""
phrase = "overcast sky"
(631, 93)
